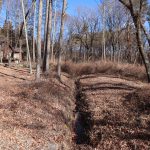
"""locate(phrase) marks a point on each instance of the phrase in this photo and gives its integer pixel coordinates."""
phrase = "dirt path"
(107, 119)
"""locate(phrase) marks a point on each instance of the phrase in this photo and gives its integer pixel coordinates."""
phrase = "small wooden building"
(8, 53)
(17, 55)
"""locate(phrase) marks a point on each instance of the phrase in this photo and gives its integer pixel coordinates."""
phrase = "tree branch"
(146, 34)
(125, 3)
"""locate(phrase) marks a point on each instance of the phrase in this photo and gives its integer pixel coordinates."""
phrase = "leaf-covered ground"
(35, 116)
(111, 113)
(118, 112)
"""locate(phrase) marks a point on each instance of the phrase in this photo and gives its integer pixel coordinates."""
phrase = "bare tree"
(61, 38)
(137, 9)
(38, 67)
(27, 43)
(54, 32)
(34, 26)
(104, 31)
(48, 46)
(45, 32)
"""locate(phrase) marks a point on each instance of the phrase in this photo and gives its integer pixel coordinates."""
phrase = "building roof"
(17, 50)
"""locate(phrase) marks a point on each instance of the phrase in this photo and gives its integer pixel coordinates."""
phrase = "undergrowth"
(108, 68)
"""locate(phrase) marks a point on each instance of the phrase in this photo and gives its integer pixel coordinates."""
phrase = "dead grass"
(110, 68)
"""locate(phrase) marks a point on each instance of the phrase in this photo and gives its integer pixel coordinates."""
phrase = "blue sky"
(74, 4)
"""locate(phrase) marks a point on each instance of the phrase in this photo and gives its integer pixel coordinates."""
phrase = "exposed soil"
(116, 114)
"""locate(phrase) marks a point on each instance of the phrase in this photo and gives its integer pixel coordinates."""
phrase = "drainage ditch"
(83, 122)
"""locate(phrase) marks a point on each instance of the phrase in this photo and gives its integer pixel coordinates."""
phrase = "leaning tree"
(137, 9)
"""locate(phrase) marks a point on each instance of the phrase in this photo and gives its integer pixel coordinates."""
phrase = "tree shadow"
(136, 136)
(115, 123)
(115, 76)
(19, 70)
(136, 103)
(34, 126)
(12, 76)
(107, 86)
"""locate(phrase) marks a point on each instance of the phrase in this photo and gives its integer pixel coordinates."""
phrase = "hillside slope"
(35, 115)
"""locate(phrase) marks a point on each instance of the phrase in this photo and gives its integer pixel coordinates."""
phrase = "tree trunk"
(47, 53)
(61, 38)
(38, 67)
(25, 27)
(137, 22)
(140, 46)
(33, 52)
(20, 47)
(104, 40)
(80, 52)
(1, 56)
(45, 33)
(54, 34)
(146, 34)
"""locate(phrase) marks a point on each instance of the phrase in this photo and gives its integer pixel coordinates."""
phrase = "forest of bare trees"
(116, 30)
(75, 74)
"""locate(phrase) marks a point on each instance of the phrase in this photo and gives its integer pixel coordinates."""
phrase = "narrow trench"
(83, 122)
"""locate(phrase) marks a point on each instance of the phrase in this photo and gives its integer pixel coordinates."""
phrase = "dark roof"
(17, 50)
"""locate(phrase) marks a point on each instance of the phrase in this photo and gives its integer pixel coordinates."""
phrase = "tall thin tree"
(38, 67)
(34, 29)
(61, 38)
(46, 62)
(49, 37)
(54, 32)
(45, 32)
(27, 43)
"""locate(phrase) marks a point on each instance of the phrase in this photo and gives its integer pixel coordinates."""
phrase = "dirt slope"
(116, 114)
(35, 116)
